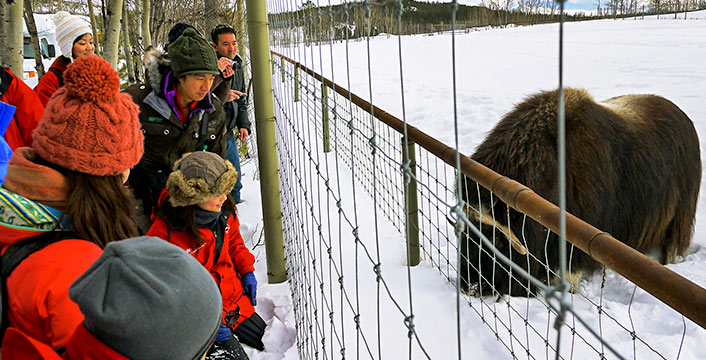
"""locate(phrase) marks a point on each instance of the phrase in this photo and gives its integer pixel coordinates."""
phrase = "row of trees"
(314, 24)
(352, 20)
(618, 8)
(122, 29)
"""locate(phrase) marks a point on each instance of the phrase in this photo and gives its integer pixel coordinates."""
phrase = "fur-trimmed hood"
(157, 65)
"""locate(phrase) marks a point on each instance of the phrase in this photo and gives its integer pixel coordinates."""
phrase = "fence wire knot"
(377, 271)
(355, 233)
(372, 143)
(554, 293)
(356, 319)
(458, 217)
(407, 171)
(409, 323)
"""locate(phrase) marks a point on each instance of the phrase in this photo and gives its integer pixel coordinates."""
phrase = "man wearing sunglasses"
(236, 107)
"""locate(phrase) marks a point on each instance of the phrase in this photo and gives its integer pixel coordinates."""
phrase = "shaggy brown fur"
(633, 170)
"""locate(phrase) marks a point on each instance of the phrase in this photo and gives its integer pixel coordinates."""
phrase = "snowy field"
(496, 69)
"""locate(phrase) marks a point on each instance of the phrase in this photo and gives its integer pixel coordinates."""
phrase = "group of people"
(79, 281)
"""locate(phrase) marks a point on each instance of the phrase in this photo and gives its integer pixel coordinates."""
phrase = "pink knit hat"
(88, 125)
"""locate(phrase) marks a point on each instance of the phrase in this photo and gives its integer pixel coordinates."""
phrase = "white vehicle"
(47, 44)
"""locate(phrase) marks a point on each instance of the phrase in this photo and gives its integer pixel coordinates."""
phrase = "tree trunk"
(32, 30)
(112, 32)
(14, 41)
(94, 27)
(146, 35)
(3, 34)
(240, 29)
(210, 16)
(105, 19)
(138, 48)
(126, 45)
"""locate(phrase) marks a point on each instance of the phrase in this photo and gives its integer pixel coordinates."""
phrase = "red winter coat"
(49, 83)
(82, 346)
(38, 289)
(235, 260)
(28, 112)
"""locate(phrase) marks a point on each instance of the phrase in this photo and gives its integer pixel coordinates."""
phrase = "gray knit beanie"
(191, 53)
(149, 299)
(199, 176)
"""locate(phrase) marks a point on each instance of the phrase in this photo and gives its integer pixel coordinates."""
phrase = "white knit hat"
(68, 28)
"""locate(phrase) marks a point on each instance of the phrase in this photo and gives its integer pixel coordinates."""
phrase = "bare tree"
(210, 14)
(94, 26)
(125, 21)
(146, 34)
(14, 40)
(112, 32)
(34, 39)
(3, 33)
(138, 40)
(240, 30)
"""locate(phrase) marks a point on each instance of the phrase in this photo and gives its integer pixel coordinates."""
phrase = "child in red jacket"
(196, 213)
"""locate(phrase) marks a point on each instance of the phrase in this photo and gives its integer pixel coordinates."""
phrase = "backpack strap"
(220, 234)
(203, 131)
(18, 252)
(59, 75)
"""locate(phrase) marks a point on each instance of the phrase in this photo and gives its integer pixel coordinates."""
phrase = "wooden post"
(325, 118)
(411, 204)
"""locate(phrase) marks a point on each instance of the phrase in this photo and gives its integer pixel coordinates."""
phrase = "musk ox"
(633, 170)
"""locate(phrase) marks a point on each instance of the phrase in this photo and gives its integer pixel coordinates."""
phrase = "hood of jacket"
(157, 65)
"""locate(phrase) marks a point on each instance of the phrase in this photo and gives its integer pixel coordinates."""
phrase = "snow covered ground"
(496, 69)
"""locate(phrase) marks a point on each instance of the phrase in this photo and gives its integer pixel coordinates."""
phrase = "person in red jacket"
(71, 182)
(196, 213)
(119, 294)
(75, 40)
(28, 112)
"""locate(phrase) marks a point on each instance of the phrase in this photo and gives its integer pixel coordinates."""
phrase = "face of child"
(213, 204)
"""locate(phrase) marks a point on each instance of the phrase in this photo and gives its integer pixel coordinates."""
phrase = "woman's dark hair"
(182, 218)
(99, 208)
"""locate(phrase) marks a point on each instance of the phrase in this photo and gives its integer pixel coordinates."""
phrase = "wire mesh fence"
(345, 177)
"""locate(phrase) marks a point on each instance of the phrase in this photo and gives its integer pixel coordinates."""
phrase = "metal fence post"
(411, 204)
(325, 119)
(266, 140)
(282, 67)
(296, 83)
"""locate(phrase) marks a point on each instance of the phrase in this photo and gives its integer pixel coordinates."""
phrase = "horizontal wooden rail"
(666, 285)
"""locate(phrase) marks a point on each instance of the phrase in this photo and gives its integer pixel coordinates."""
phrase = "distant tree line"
(309, 23)
(351, 20)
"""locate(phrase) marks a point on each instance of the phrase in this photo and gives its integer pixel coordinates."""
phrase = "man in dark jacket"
(178, 113)
(236, 107)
